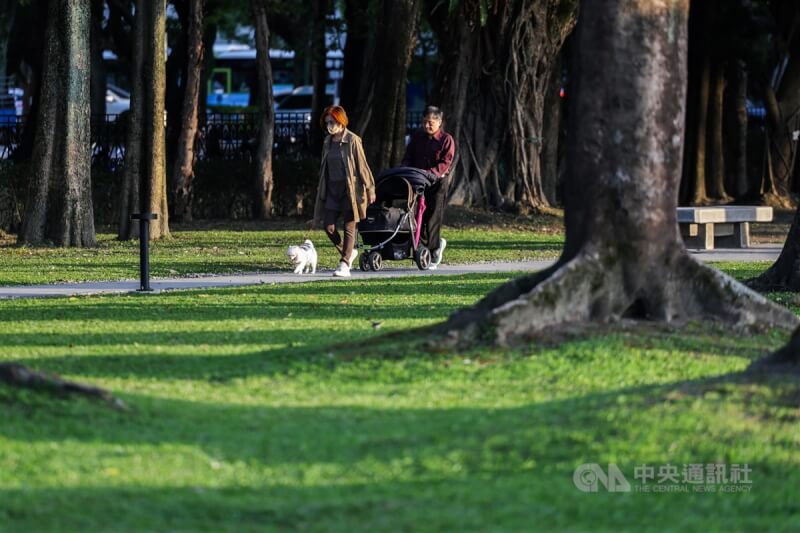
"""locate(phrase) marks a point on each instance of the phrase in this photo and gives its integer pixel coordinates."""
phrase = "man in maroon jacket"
(432, 150)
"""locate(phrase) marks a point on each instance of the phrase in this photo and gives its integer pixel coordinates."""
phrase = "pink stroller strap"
(420, 211)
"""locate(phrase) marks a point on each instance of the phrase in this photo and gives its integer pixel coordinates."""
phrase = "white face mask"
(334, 128)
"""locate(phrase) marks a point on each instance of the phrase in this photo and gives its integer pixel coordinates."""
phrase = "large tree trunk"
(360, 67)
(183, 172)
(356, 49)
(623, 255)
(319, 71)
(500, 62)
(131, 189)
(397, 38)
(59, 205)
(263, 179)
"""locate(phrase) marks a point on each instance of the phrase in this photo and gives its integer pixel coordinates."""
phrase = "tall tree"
(131, 189)
(397, 25)
(183, 172)
(59, 204)
(496, 62)
(623, 256)
(145, 155)
(319, 69)
(264, 182)
(783, 108)
(98, 90)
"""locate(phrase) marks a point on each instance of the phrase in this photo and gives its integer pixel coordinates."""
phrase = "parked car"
(299, 100)
(117, 101)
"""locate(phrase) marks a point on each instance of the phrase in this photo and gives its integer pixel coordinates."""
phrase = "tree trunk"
(154, 146)
(551, 130)
(131, 190)
(145, 156)
(783, 119)
(176, 70)
(386, 132)
(501, 64)
(183, 173)
(263, 179)
(59, 205)
(319, 71)
(361, 69)
(738, 171)
(7, 12)
(356, 49)
(623, 256)
(98, 90)
(700, 196)
(716, 147)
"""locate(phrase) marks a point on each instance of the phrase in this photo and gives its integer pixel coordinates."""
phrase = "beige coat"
(360, 183)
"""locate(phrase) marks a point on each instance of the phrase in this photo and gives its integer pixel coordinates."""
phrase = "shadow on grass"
(443, 466)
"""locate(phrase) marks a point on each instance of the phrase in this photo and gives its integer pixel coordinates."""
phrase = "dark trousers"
(435, 203)
(345, 247)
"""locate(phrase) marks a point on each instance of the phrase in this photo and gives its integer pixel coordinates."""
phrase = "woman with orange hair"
(346, 185)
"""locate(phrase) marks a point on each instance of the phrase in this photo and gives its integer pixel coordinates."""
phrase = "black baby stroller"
(391, 230)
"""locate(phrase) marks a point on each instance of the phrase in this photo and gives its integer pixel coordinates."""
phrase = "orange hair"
(338, 114)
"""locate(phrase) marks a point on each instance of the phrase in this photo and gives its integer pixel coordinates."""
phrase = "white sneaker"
(353, 256)
(437, 255)
(342, 271)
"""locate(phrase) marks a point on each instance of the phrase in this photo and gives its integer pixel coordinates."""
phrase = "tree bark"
(131, 190)
(396, 41)
(319, 70)
(183, 173)
(716, 147)
(263, 178)
(361, 69)
(783, 119)
(145, 156)
(59, 205)
(700, 196)
(7, 13)
(551, 131)
(356, 50)
(623, 256)
(500, 62)
(98, 90)
(740, 184)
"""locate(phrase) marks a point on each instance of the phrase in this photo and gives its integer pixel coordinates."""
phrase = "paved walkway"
(757, 253)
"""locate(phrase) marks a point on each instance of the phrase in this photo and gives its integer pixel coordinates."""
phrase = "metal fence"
(227, 136)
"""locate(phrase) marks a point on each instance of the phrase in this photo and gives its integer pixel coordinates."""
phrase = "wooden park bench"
(726, 226)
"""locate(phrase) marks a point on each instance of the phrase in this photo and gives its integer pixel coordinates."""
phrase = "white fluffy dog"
(304, 257)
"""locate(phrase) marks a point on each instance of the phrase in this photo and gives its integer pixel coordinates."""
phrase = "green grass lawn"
(235, 251)
(283, 407)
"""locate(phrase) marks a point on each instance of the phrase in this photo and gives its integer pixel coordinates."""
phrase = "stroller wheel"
(363, 264)
(375, 261)
(422, 256)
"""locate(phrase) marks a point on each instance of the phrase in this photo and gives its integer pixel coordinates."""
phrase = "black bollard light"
(144, 248)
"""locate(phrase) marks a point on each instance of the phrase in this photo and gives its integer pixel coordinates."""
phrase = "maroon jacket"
(432, 154)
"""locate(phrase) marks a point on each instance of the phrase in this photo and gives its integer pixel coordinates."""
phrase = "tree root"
(786, 359)
(598, 287)
(21, 376)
